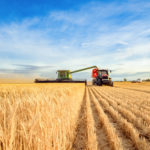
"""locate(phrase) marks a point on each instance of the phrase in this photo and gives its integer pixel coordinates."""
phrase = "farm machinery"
(100, 77)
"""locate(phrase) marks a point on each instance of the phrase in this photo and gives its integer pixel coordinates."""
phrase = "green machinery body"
(66, 74)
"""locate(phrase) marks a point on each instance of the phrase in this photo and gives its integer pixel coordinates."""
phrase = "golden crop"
(72, 116)
(39, 116)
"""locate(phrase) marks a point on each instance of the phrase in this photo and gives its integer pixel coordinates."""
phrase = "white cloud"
(93, 35)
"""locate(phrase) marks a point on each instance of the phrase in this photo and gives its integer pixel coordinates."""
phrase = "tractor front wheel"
(111, 83)
(99, 82)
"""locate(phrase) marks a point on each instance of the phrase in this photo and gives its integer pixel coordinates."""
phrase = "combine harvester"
(100, 77)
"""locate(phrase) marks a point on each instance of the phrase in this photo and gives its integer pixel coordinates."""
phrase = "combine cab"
(101, 77)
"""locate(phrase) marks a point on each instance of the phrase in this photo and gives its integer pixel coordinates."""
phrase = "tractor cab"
(101, 77)
(103, 74)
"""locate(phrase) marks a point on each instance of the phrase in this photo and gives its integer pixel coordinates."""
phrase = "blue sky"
(39, 37)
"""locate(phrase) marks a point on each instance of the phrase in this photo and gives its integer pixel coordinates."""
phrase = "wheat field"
(75, 117)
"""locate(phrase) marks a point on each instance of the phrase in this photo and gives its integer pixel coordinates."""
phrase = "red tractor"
(101, 77)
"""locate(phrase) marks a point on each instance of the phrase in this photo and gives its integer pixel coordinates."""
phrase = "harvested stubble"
(143, 86)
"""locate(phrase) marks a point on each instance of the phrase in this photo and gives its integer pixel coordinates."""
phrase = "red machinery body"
(95, 72)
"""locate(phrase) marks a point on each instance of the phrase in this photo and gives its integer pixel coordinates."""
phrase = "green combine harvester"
(100, 77)
(65, 76)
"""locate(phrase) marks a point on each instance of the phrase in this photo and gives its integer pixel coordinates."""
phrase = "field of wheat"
(74, 116)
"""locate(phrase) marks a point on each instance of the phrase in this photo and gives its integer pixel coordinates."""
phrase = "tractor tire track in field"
(80, 140)
(102, 125)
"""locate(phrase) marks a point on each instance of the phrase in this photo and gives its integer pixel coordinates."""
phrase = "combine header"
(65, 76)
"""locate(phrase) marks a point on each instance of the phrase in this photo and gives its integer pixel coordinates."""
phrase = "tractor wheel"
(111, 83)
(99, 82)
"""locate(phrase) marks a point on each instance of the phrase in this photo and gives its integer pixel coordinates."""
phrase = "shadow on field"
(80, 140)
